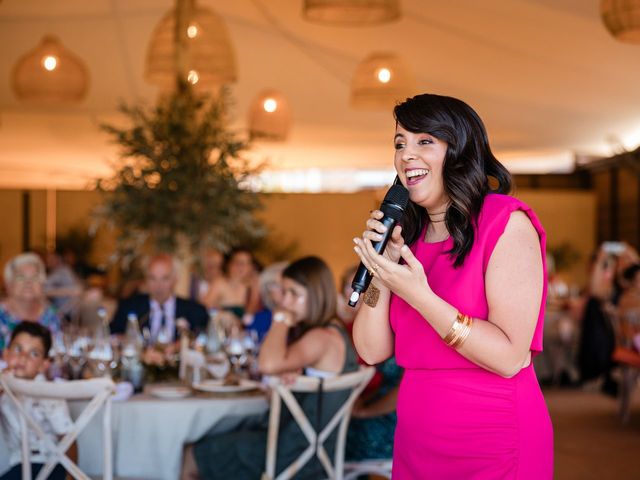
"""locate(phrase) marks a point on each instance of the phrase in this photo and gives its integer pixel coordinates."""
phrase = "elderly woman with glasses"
(24, 277)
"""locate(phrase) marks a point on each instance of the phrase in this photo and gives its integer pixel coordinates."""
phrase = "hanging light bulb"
(192, 31)
(381, 80)
(193, 77)
(270, 105)
(384, 75)
(269, 116)
(50, 74)
(50, 63)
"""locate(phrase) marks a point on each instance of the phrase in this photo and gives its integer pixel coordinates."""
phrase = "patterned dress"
(8, 322)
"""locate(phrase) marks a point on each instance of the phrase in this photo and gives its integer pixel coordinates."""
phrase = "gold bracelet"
(454, 331)
(465, 331)
(460, 330)
(371, 296)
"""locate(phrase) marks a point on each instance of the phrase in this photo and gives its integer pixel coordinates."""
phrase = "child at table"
(27, 358)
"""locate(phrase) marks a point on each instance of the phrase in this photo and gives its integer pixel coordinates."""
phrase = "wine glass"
(75, 352)
(235, 350)
(100, 352)
(250, 342)
(251, 345)
(163, 339)
(217, 365)
(59, 352)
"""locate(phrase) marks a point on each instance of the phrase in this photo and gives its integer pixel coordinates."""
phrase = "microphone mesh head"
(398, 196)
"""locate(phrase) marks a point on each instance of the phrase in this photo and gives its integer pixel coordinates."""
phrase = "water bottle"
(132, 367)
(133, 343)
(214, 342)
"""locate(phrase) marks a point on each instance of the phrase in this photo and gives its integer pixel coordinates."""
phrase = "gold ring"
(375, 267)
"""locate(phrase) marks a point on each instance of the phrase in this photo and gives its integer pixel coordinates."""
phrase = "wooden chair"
(381, 468)
(99, 392)
(355, 382)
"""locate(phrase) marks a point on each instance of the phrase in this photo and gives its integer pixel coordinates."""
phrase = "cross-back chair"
(280, 393)
(98, 391)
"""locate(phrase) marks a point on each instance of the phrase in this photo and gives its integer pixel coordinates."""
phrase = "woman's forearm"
(372, 334)
(274, 348)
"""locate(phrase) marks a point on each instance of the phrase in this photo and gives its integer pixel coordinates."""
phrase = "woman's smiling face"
(419, 160)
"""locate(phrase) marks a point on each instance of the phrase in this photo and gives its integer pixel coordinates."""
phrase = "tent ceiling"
(545, 76)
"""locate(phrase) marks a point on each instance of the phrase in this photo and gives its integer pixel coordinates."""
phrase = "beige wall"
(320, 224)
(567, 216)
(10, 224)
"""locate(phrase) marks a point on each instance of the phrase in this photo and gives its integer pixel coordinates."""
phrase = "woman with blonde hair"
(24, 277)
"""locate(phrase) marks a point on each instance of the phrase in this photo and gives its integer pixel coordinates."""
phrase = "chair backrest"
(379, 467)
(355, 382)
(99, 392)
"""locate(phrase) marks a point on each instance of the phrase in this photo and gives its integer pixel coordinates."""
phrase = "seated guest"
(62, 285)
(305, 334)
(237, 291)
(373, 419)
(597, 337)
(270, 285)
(27, 358)
(210, 274)
(629, 305)
(160, 309)
(24, 277)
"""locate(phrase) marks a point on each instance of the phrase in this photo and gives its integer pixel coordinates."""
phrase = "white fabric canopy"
(545, 75)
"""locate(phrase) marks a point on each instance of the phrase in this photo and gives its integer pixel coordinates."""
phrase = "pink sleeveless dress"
(456, 420)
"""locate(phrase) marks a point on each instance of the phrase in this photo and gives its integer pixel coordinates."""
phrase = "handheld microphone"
(393, 206)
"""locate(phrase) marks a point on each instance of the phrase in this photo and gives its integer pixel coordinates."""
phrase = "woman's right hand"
(289, 378)
(375, 231)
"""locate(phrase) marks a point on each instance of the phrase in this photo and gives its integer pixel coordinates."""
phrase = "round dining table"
(148, 433)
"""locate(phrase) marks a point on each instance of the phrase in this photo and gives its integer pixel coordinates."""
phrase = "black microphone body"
(393, 207)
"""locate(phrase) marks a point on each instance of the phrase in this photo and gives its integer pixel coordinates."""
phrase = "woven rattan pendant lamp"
(207, 60)
(380, 81)
(50, 74)
(351, 12)
(622, 19)
(269, 116)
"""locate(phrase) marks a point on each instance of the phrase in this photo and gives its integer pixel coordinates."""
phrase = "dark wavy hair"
(468, 169)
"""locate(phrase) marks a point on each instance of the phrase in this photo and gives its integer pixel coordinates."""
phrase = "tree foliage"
(181, 177)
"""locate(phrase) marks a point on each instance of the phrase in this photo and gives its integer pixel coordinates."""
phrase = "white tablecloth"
(148, 433)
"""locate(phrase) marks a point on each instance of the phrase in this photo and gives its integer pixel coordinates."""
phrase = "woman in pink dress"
(459, 297)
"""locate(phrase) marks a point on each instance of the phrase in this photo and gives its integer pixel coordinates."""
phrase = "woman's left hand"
(407, 280)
